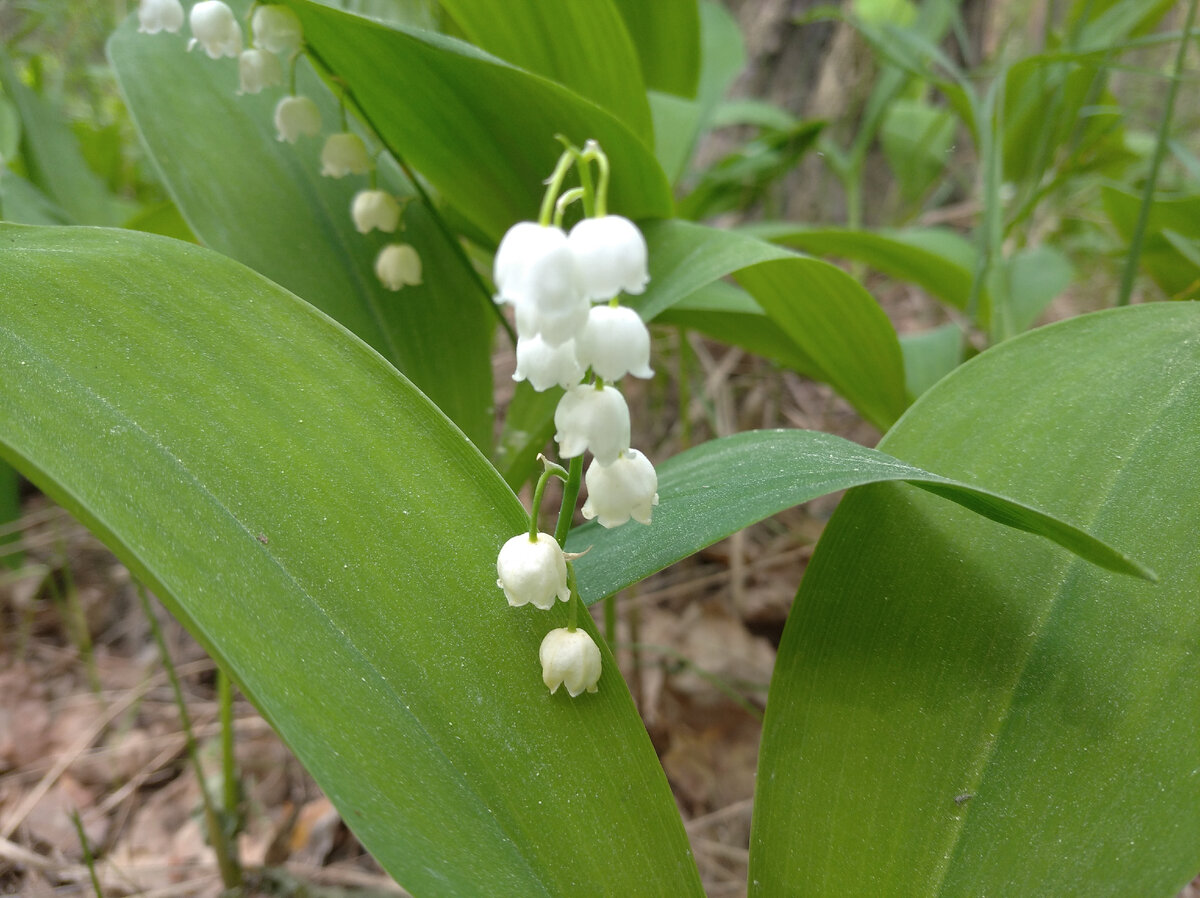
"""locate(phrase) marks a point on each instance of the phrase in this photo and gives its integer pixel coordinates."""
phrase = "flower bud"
(544, 365)
(615, 342)
(277, 28)
(587, 418)
(532, 571)
(344, 154)
(215, 29)
(611, 254)
(296, 116)
(397, 265)
(627, 488)
(569, 658)
(375, 209)
(258, 69)
(160, 15)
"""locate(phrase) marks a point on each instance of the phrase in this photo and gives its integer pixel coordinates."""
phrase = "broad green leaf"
(1100, 23)
(729, 314)
(331, 538)
(583, 45)
(721, 486)
(957, 710)
(938, 260)
(666, 34)
(831, 319)
(930, 355)
(265, 203)
(10, 130)
(480, 130)
(10, 511)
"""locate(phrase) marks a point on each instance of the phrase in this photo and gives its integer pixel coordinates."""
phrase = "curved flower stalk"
(564, 290)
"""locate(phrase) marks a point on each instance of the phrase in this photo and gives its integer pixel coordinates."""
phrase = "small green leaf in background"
(330, 537)
(480, 130)
(916, 139)
(267, 205)
(1174, 271)
(721, 486)
(930, 355)
(583, 45)
(1036, 277)
(958, 710)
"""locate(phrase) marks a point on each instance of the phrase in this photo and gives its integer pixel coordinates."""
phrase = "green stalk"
(1160, 150)
(229, 781)
(88, 859)
(570, 494)
(231, 872)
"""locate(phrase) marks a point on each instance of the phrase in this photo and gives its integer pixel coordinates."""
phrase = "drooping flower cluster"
(564, 290)
(277, 39)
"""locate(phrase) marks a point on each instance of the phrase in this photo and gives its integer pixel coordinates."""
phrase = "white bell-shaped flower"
(556, 327)
(611, 254)
(344, 154)
(375, 209)
(277, 28)
(215, 28)
(533, 571)
(398, 265)
(258, 69)
(628, 488)
(615, 341)
(569, 658)
(535, 266)
(296, 117)
(544, 365)
(160, 15)
(597, 420)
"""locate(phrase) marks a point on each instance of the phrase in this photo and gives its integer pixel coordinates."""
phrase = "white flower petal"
(532, 571)
(544, 365)
(398, 265)
(344, 154)
(570, 658)
(591, 419)
(626, 488)
(296, 117)
(277, 28)
(160, 15)
(258, 69)
(375, 209)
(610, 253)
(215, 28)
(615, 342)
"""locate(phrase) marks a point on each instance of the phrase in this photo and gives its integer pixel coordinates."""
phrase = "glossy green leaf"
(480, 130)
(10, 511)
(936, 259)
(729, 314)
(22, 202)
(667, 36)
(331, 538)
(721, 486)
(583, 45)
(831, 319)
(916, 138)
(958, 710)
(267, 205)
(528, 427)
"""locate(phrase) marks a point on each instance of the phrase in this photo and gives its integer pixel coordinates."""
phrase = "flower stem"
(560, 208)
(551, 470)
(554, 185)
(570, 494)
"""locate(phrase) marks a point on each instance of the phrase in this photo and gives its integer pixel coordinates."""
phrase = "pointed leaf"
(328, 534)
(481, 130)
(265, 203)
(721, 486)
(958, 710)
